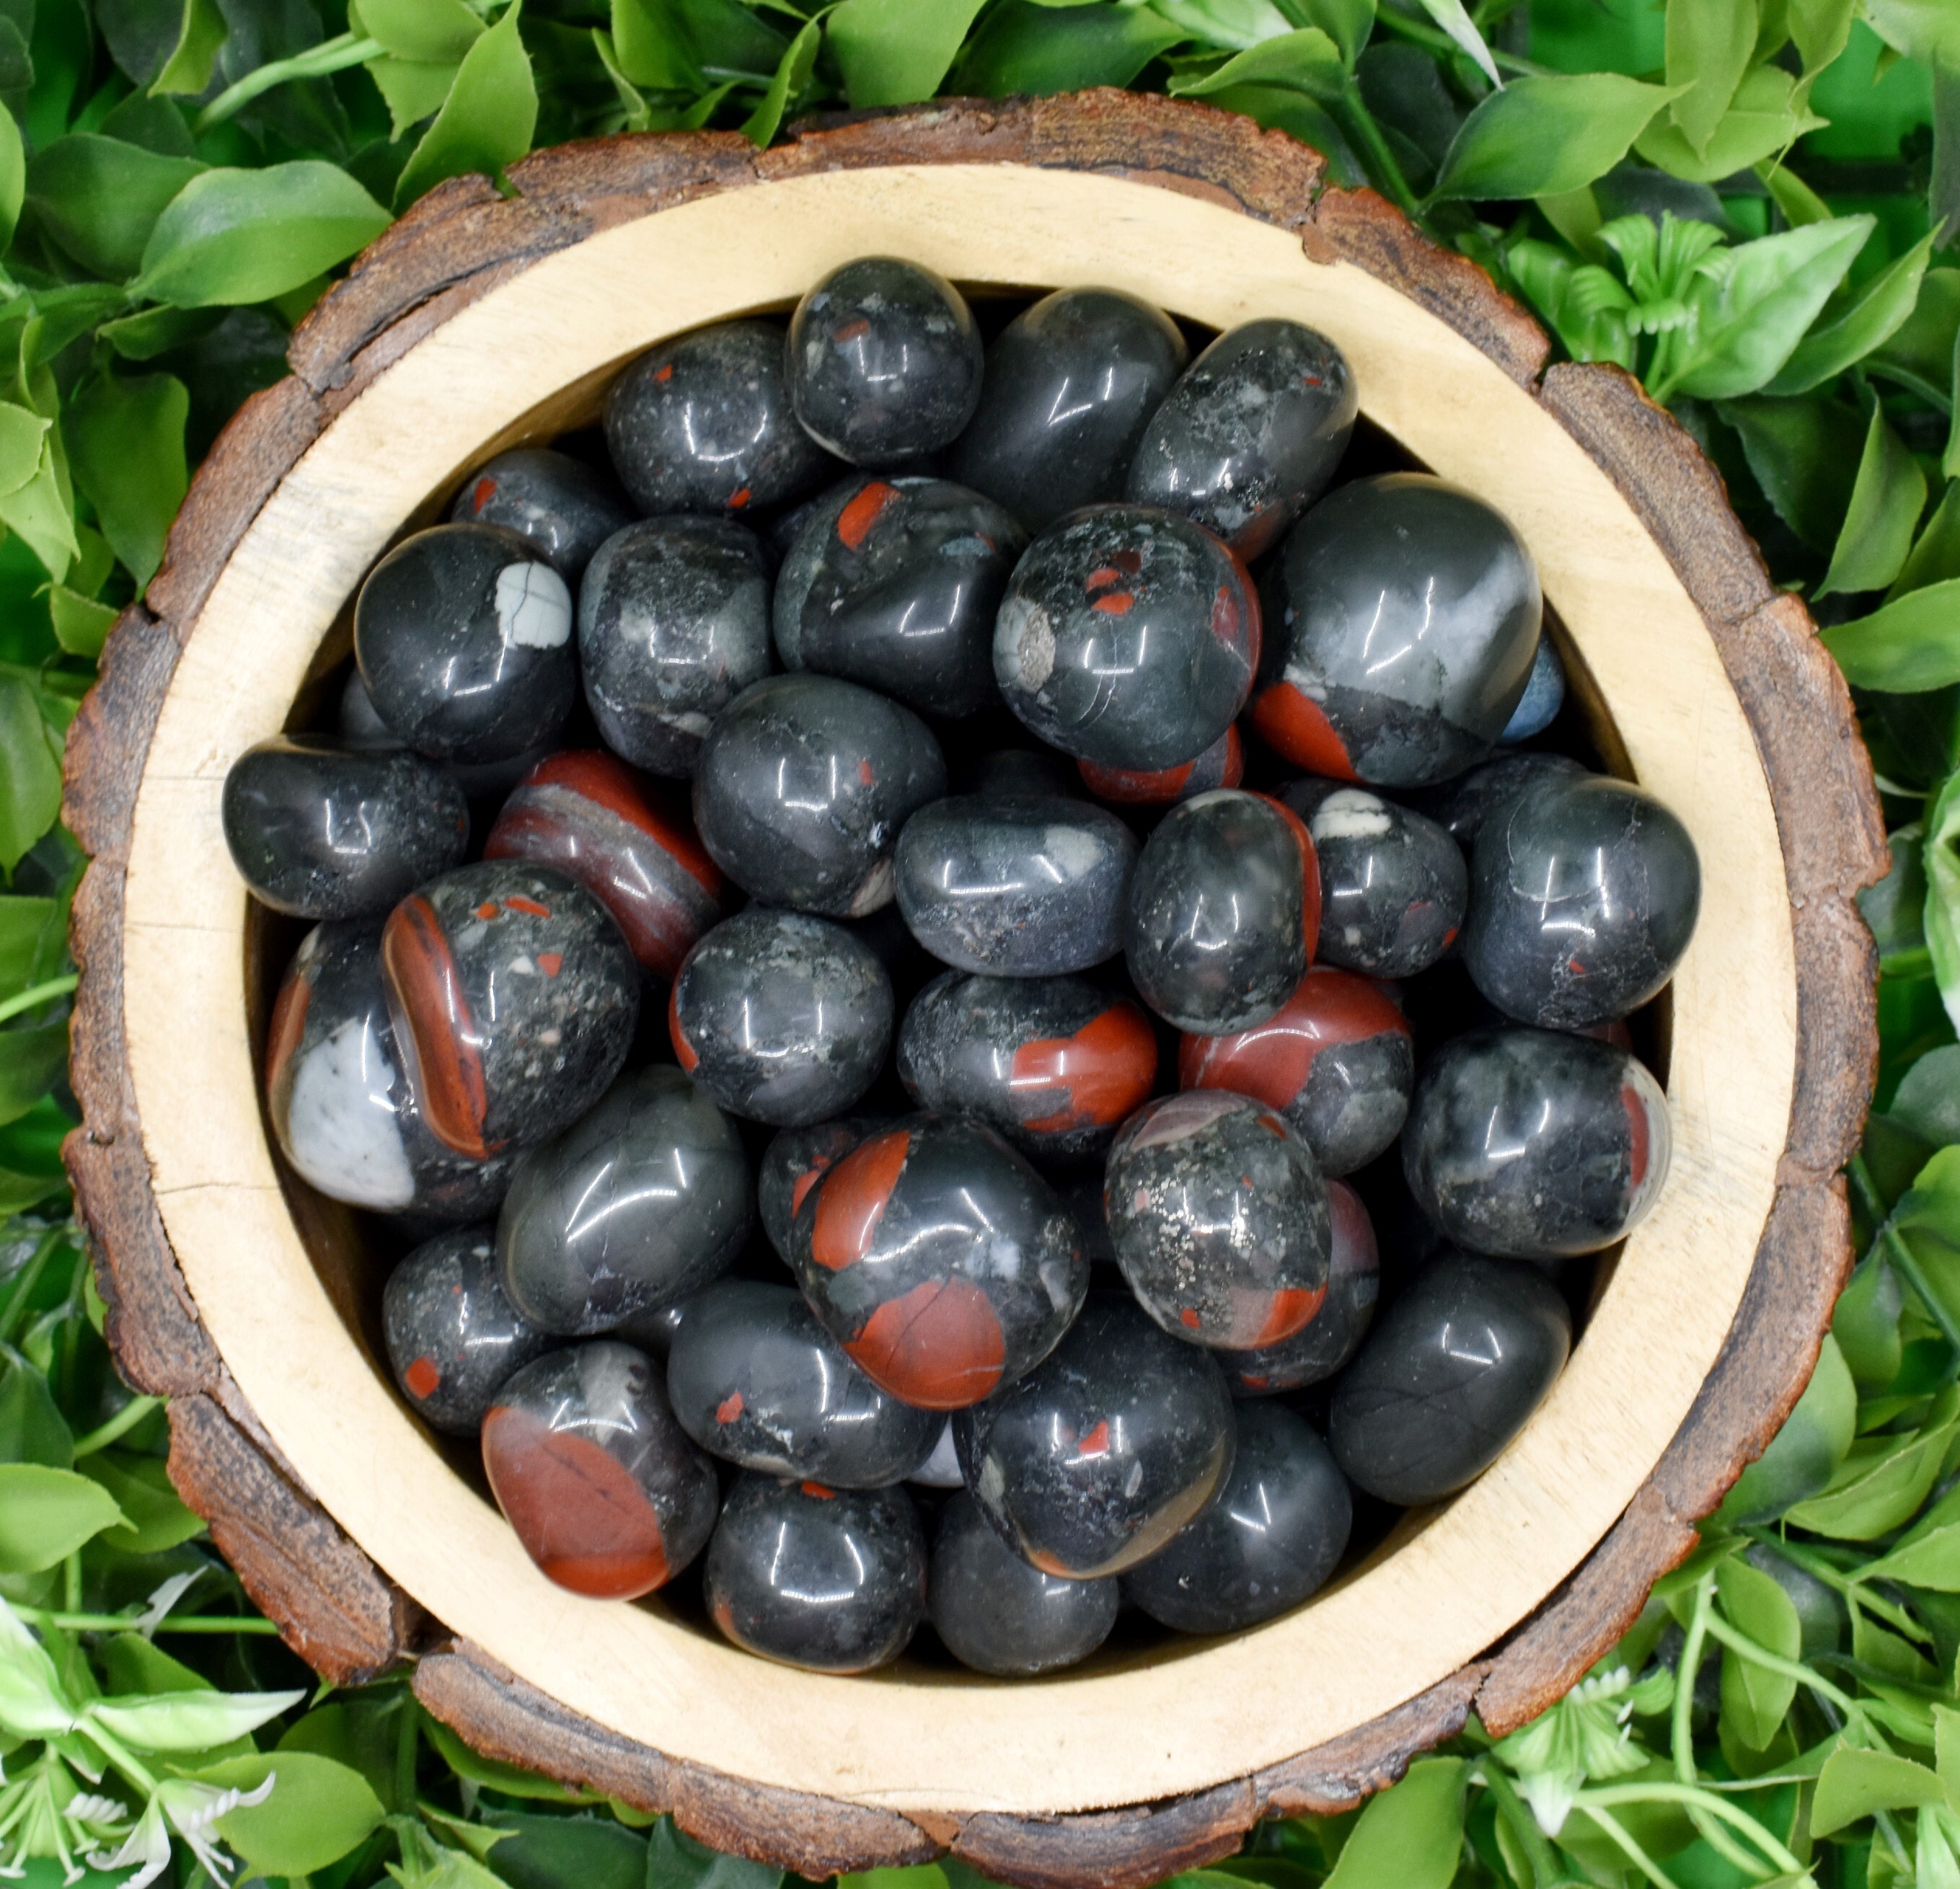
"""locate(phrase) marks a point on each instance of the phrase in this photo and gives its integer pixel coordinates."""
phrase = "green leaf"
(895, 52)
(125, 441)
(232, 237)
(411, 89)
(1853, 1784)
(1927, 1555)
(1866, 1323)
(1820, 28)
(32, 1056)
(46, 1514)
(1936, 554)
(1584, 302)
(1307, 61)
(156, 1517)
(1909, 645)
(1754, 1701)
(32, 1429)
(1872, 315)
(1804, 454)
(29, 772)
(81, 625)
(664, 44)
(187, 71)
(21, 434)
(1347, 23)
(440, 31)
(676, 1861)
(1542, 134)
(1233, 25)
(13, 177)
(1411, 1835)
(474, 1768)
(567, 1853)
(1450, 15)
(1770, 112)
(486, 122)
(1021, 47)
(792, 75)
(1805, 1455)
(131, 1663)
(188, 1721)
(1919, 355)
(1709, 46)
(1886, 502)
(40, 515)
(100, 198)
(1942, 943)
(1927, 30)
(31, 940)
(319, 1811)
(1798, 203)
(1882, 1481)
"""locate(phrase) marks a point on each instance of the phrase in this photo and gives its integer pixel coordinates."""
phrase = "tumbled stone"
(1460, 806)
(1334, 1334)
(452, 1337)
(999, 1615)
(564, 508)
(793, 1163)
(1222, 765)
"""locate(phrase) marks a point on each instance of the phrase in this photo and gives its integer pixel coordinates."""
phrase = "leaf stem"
(1760, 1655)
(1903, 1257)
(75, 1623)
(1657, 1793)
(1433, 40)
(1382, 166)
(125, 1420)
(40, 993)
(331, 55)
(1623, 1837)
(1701, 1623)
(1524, 1826)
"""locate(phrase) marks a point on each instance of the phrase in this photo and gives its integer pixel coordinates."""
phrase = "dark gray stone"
(997, 1614)
(453, 1336)
(1335, 1333)
(563, 508)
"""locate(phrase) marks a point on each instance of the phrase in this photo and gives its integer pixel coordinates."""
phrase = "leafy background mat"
(1741, 200)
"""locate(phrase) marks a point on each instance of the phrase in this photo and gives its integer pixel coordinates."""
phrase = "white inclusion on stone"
(941, 1469)
(343, 1134)
(1004, 1257)
(533, 606)
(1349, 814)
(1072, 852)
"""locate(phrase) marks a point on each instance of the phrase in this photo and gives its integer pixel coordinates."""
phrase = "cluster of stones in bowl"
(1097, 864)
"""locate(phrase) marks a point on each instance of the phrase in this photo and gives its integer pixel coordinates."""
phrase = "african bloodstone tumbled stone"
(1275, 1533)
(606, 1492)
(1017, 887)
(998, 1614)
(1333, 1334)
(514, 998)
(1534, 1144)
(1222, 765)
(673, 624)
(755, 1379)
(1393, 885)
(1224, 909)
(464, 639)
(320, 829)
(803, 784)
(1460, 806)
(1402, 619)
(1070, 384)
(1251, 435)
(563, 506)
(943, 1263)
(637, 1204)
(1054, 1063)
(782, 1018)
(833, 1579)
(704, 424)
(1219, 1215)
(1447, 1377)
(793, 1163)
(1092, 1463)
(1584, 896)
(1337, 1060)
(894, 583)
(587, 813)
(1128, 637)
(453, 1336)
(884, 361)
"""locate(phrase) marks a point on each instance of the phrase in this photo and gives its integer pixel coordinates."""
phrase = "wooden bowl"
(481, 320)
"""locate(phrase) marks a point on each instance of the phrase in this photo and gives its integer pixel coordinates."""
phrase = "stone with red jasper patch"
(604, 1489)
(793, 1163)
(704, 424)
(831, 1579)
(513, 999)
(1534, 1144)
(943, 1263)
(1092, 1462)
(1224, 909)
(452, 1337)
(1331, 1337)
(1054, 1063)
(1128, 637)
(1337, 1059)
(1219, 1215)
(566, 508)
(1222, 765)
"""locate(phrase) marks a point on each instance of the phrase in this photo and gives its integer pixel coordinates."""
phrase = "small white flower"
(163, 1601)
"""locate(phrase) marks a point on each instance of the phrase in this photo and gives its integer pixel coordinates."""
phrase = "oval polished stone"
(703, 424)
(1460, 806)
(452, 1337)
(939, 1260)
(564, 508)
(1401, 624)
(832, 1579)
(673, 624)
(1334, 1334)
(1393, 885)
(1452, 1368)
(997, 1614)
(884, 361)
(514, 998)
(1224, 909)
(803, 784)
(1584, 897)
(1276, 1531)
(1222, 765)
(1250, 435)
(1016, 887)
(1128, 637)
(603, 1488)
(1092, 1463)
(793, 1163)
(1219, 1216)
(1535, 1145)
(1544, 697)
(782, 1018)
(756, 1380)
(585, 812)
(464, 640)
(318, 829)
(894, 583)
(1337, 1060)
(638, 1204)
(1054, 1063)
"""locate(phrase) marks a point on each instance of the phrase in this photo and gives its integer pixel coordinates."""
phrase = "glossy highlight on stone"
(1224, 909)
(1535, 1145)
(793, 1163)
(1128, 637)
(1056, 1064)
(1402, 619)
(803, 784)
(321, 829)
(831, 1579)
(1460, 806)
(586, 813)
(563, 508)
(998, 1614)
(1453, 1368)
(1222, 765)
(454, 1338)
(943, 1263)
(781, 1017)
(1334, 1334)
(605, 1490)
(637, 1205)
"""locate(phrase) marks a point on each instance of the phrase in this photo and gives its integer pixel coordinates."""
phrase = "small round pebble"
(793, 1163)
(999, 1615)
(1334, 1334)
(1544, 696)
(452, 1337)
(1222, 765)
(563, 508)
